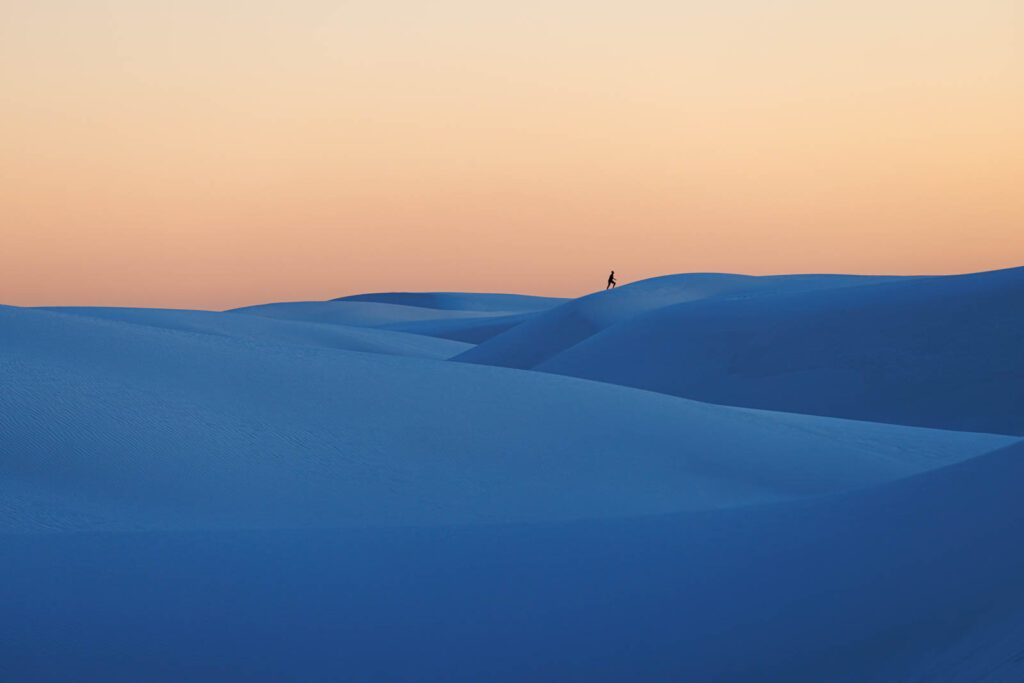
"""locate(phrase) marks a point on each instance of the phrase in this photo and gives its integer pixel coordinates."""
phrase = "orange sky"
(215, 153)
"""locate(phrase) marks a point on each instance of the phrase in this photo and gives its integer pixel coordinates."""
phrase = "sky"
(216, 153)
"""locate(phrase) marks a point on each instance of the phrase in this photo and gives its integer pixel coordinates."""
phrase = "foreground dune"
(914, 580)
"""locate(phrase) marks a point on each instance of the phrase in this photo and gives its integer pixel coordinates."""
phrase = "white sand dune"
(277, 331)
(469, 330)
(461, 301)
(944, 352)
(138, 426)
(463, 317)
(356, 313)
(914, 580)
(555, 330)
(309, 491)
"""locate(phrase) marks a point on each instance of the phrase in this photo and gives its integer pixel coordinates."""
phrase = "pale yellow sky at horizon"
(215, 154)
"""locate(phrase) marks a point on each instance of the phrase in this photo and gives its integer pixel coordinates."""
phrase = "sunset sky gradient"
(216, 153)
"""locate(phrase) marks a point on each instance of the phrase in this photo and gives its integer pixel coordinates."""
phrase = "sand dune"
(140, 427)
(914, 580)
(464, 317)
(310, 491)
(461, 301)
(356, 313)
(944, 352)
(277, 331)
(470, 330)
(537, 340)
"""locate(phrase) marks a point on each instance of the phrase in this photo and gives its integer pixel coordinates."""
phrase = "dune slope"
(913, 580)
(469, 330)
(553, 331)
(463, 317)
(111, 425)
(940, 352)
(277, 331)
(356, 313)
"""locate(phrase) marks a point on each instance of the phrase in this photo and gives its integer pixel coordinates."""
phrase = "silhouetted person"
(611, 281)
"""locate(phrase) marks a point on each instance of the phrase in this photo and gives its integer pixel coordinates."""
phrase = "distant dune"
(277, 330)
(357, 313)
(471, 330)
(461, 301)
